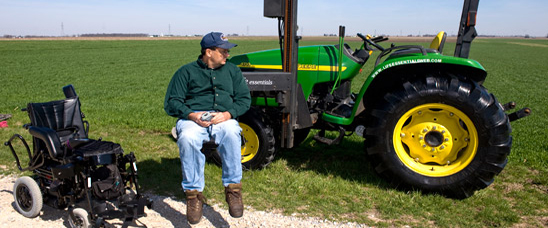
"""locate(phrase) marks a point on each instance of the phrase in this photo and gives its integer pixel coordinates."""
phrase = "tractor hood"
(317, 64)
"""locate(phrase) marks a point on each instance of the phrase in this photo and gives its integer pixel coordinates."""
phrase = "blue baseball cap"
(216, 39)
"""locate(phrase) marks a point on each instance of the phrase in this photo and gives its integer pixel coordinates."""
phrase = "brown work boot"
(233, 195)
(194, 202)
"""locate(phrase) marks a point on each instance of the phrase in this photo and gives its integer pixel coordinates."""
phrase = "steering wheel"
(369, 41)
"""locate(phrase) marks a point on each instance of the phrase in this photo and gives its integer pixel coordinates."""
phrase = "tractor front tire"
(439, 134)
(258, 146)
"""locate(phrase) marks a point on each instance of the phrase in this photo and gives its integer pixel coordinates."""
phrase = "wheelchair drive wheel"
(27, 196)
(79, 218)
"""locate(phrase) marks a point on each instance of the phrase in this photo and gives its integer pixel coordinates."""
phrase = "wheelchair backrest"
(62, 116)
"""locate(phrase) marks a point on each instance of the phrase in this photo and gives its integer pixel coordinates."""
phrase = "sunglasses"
(222, 51)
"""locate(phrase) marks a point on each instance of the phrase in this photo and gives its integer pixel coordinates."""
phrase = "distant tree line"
(84, 35)
(115, 35)
(27, 36)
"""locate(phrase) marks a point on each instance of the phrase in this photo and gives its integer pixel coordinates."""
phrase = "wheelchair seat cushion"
(97, 148)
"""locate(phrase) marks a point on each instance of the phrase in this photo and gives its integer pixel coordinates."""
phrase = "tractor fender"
(391, 73)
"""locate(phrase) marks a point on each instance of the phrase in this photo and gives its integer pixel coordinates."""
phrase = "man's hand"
(219, 117)
(196, 117)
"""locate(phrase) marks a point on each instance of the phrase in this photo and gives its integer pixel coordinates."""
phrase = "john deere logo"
(223, 37)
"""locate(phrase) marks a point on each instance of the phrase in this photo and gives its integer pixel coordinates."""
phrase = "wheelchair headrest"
(69, 91)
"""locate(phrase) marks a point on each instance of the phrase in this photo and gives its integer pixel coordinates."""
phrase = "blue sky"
(245, 17)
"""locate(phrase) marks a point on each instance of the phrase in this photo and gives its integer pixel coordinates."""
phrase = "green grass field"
(121, 85)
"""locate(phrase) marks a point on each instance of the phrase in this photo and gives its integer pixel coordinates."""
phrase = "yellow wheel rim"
(435, 140)
(251, 145)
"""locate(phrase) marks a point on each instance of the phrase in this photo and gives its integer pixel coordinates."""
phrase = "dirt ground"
(166, 212)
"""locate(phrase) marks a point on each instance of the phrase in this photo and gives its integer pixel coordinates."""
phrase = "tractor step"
(320, 137)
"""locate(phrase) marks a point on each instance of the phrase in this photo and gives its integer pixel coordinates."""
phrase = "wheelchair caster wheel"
(27, 196)
(79, 218)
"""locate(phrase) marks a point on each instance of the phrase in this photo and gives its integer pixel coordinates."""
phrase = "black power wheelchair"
(92, 177)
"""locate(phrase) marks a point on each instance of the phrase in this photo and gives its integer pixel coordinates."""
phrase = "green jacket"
(195, 87)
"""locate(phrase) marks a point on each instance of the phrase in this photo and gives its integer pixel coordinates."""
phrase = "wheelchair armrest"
(75, 143)
(50, 139)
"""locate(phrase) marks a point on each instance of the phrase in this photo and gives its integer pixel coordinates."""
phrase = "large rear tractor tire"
(258, 146)
(438, 134)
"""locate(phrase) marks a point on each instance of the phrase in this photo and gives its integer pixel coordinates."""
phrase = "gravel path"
(167, 212)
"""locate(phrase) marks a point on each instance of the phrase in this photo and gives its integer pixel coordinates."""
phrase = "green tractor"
(427, 120)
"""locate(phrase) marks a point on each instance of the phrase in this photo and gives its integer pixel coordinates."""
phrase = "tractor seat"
(439, 41)
(436, 46)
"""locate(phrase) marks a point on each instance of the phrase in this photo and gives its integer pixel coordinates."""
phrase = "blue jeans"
(190, 137)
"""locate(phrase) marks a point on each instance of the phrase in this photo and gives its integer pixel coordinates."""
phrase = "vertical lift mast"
(289, 94)
(467, 28)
